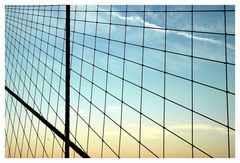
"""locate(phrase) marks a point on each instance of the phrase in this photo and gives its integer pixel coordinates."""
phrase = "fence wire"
(145, 81)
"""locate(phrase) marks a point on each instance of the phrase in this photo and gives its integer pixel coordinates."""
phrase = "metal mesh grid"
(127, 98)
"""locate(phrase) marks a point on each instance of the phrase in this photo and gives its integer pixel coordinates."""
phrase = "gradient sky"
(208, 135)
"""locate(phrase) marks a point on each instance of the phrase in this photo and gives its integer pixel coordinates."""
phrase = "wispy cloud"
(155, 132)
(200, 127)
(205, 39)
(148, 131)
(135, 19)
(114, 108)
(139, 21)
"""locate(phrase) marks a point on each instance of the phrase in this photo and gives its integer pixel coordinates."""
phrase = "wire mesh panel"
(27, 136)
(145, 81)
(35, 65)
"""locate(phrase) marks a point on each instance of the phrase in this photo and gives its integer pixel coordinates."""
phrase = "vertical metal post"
(67, 95)
(226, 75)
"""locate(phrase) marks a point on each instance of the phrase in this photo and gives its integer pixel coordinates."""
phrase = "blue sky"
(207, 101)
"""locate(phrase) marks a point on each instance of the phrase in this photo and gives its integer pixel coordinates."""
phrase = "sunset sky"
(130, 87)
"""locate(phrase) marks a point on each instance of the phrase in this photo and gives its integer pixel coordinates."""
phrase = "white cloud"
(153, 132)
(138, 20)
(204, 39)
(114, 108)
(147, 24)
(200, 126)
(134, 19)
